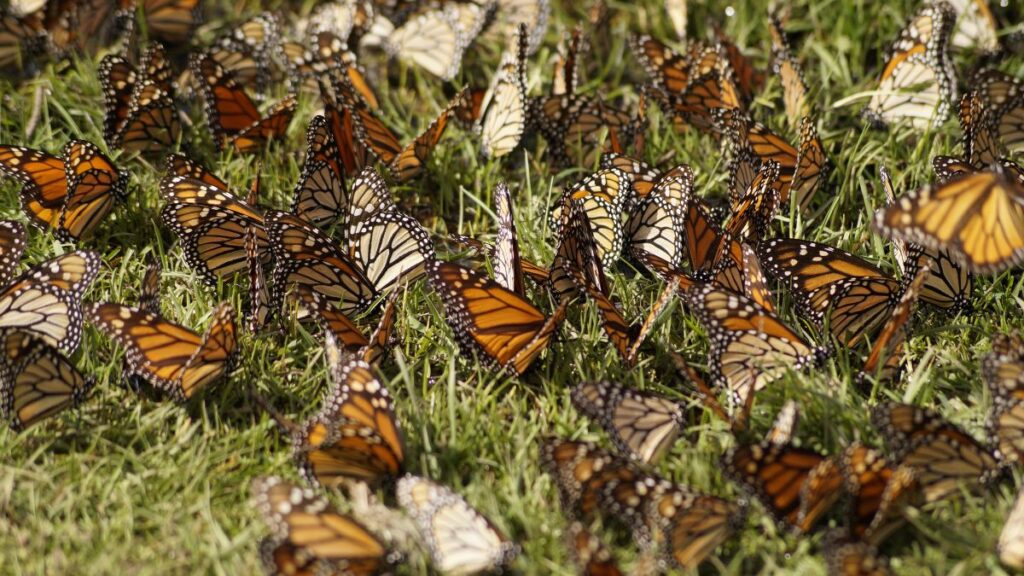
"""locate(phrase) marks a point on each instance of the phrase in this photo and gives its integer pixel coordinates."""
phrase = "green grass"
(126, 483)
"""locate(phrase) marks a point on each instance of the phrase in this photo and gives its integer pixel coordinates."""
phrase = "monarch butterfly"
(669, 71)
(172, 358)
(502, 326)
(853, 294)
(572, 120)
(348, 21)
(877, 489)
(305, 63)
(352, 118)
(434, 40)
(796, 485)
(170, 21)
(634, 499)
(148, 301)
(181, 165)
(45, 300)
(975, 26)
(355, 435)
(36, 380)
(689, 526)
(749, 80)
(581, 470)
(569, 120)
(508, 265)
(576, 267)
(259, 306)
(504, 107)
(884, 358)
(459, 538)
(591, 480)
(750, 347)
(71, 273)
(310, 535)
(943, 455)
(1003, 369)
(978, 219)
(231, 114)
(210, 222)
(245, 52)
(642, 425)
(695, 525)
(756, 144)
(949, 285)
(850, 557)
(601, 197)
(566, 75)
(1003, 98)
(389, 246)
(812, 165)
(642, 176)
(981, 143)
(41, 304)
(348, 118)
(321, 196)
(918, 82)
(341, 328)
(589, 553)
(22, 38)
(327, 55)
(711, 90)
(713, 255)
(1011, 538)
(46, 311)
(139, 111)
(753, 210)
(411, 160)
(532, 270)
(529, 16)
(791, 75)
(363, 129)
(70, 194)
(655, 225)
(754, 281)
(304, 255)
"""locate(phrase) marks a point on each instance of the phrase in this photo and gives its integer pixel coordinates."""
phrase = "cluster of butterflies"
(42, 316)
(930, 459)
(346, 247)
(355, 438)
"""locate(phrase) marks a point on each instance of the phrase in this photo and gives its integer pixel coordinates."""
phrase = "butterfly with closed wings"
(70, 194)
(171, 357)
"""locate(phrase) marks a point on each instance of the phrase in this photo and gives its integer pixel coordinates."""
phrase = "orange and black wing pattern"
(355, 435)
(310, 536)
(500, 325)
(796, 485)
(233, 117)
(173, 358)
